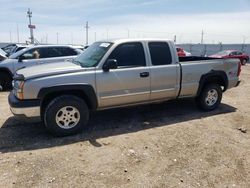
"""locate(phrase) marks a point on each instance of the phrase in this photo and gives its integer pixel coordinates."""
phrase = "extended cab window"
(160, 53)
(129, 55)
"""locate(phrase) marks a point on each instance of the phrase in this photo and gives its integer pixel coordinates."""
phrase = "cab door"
(127, 84)
(164, 72)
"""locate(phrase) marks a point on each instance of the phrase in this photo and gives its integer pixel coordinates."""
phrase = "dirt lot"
(162, 145)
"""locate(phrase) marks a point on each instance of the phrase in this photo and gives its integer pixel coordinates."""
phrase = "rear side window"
(129, 55)
(50, 52)
(160, 53)
(67, 51)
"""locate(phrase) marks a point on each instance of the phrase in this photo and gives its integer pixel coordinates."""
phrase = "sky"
(226, 21)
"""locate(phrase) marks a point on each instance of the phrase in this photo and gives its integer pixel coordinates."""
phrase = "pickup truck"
(33, 55)
(118, 73)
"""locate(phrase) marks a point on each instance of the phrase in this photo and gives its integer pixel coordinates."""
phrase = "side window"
(129, 55)
(233, 53)
(31, 54)
(239, 53)
(50, 52)
(67, 51)
(160, 53)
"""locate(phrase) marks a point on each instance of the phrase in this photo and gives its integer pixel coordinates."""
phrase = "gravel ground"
(161, 145)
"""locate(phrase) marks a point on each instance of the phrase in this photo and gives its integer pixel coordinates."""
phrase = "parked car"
(35, 55)
(118, 73)
(244, 58)
(18, 47)
(2, 55)
(182, 53)
(8, 48)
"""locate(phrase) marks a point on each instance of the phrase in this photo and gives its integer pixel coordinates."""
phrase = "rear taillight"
(239, 69)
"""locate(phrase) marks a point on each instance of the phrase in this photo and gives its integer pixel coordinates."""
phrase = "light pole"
(29, 14)
(57, 37)
(87, 33)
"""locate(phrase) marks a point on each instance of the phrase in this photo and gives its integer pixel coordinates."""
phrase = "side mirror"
(20, 58)
(110, 64)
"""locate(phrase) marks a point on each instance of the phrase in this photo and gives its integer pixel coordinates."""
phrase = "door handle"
(144, 74)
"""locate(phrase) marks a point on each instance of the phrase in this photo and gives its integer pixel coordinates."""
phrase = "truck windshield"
(93, 54)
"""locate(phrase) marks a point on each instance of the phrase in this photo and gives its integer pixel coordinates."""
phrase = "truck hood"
(49, 69)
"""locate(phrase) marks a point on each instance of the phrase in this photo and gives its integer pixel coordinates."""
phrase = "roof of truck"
(135, 39)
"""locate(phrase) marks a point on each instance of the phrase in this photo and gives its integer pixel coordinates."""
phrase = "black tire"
(5, 81)
(206, 102)
(54, 111)
(244, 62)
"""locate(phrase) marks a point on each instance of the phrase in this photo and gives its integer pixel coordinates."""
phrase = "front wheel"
(66, 115)
(210, 97)
(5, 81)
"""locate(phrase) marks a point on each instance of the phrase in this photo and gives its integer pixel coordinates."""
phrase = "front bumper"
(26, 108)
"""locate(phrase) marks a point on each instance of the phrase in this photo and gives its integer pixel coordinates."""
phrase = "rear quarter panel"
(193, 70)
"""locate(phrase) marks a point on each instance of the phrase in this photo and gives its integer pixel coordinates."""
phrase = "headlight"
(18, 89)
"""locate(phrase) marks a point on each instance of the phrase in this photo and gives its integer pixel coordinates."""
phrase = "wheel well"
(6, 72)
(220, 79)
(49, 97)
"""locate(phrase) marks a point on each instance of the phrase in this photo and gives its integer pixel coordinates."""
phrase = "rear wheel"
(210, 97)
(244, 62)
(5, 81)
(66, 115)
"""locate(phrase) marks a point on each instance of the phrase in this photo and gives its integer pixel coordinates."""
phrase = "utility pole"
(72, 38)
(202, 36)
(29, 14)
(57, 37)
(87, 33)
(128, 32)
(95, 36)
(10, 37)
(17, 30)
(175, 39)
(243, 42)
(107, 34)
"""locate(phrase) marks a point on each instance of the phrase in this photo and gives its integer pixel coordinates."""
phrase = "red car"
(232, 54)
(180, 52)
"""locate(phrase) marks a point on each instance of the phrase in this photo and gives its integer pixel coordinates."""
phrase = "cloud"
(117, 19)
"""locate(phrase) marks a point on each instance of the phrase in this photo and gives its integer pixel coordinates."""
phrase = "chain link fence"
(209, 49)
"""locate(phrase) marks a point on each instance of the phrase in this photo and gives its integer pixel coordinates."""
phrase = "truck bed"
(195, 58)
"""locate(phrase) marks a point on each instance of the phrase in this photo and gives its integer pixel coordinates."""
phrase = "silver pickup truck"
(118, 73)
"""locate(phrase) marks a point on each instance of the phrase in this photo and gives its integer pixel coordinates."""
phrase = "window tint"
(234, 53)
(160, 53)
(67, 51)
(129, 55)
(50, 52)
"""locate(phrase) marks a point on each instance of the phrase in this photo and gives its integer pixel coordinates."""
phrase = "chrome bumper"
(27, 112)
(26, 108)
